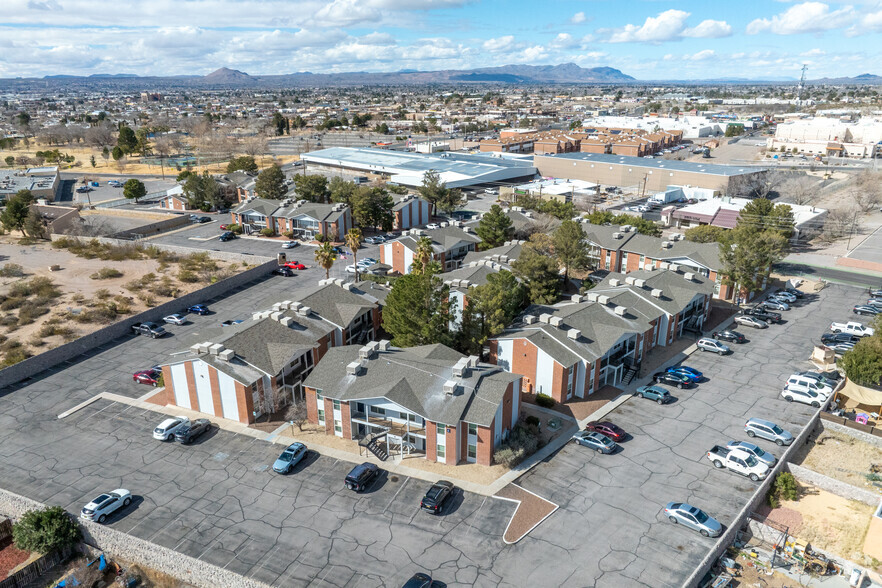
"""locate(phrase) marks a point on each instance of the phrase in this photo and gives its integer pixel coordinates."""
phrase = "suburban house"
(428, 399)
(450, 243)
(411, 211)
(623, 249)
(571, 350)
(244, 370)
(303, 218)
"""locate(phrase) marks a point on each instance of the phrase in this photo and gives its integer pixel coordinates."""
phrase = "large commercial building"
(43, 182)
(652, 175)
(829, 137)
(457, 170)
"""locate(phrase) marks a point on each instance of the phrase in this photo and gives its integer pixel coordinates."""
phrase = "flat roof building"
(658, 174)
(458, 170)
(43, 182)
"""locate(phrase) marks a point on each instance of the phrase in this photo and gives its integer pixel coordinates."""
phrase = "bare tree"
(800, 190)
(101, 135)
(296, 414)
(255, 145)
(841, 222)
(758, 185)
(866, 192)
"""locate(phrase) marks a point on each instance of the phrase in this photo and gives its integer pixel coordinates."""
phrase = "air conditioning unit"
(614, 282)
(620, 310)
(656, 293)
(688, 276)
(555, 321)
(574, 334)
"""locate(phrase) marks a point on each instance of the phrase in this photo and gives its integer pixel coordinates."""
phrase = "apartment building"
(304, 219)
(571, 350)
(450, 244)
(617, 141)
(429, 400)
(411, 211)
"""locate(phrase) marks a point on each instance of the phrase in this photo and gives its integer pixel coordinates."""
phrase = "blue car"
(292, 455)
(693, 374)
(198, 309)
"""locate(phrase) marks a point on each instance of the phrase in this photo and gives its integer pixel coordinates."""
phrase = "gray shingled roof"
(315, 210)
(414, 379)
(443, 239)
(706, 254)
(260, 205)
(511, 249)
(677, 292)
(335, 303)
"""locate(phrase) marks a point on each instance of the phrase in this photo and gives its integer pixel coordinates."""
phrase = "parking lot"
(218, 500)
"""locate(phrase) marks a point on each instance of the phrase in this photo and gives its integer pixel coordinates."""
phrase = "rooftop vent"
(602, 299)
(656, 293)
(617, 235)
(688, 276)
(287, 321)
(367, 351)
(614, 282)
(620, 310)
(666, 244)
(304, 310)
(577, 298)
(530, 319)
(461, 368)
(450, 387)
(227, 355)
(354, 368)
(674, 267)
(197, 348)
(639, 282)
(276, 316)
(474, 360)
(555, 321)
(629, 280)
(664, 265)
(348, 286)
(384, 345)
(574, 334)
(338, 282)
(545, 318)
(295, 305)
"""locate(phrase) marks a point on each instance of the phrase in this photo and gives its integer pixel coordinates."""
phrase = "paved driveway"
(218, 500)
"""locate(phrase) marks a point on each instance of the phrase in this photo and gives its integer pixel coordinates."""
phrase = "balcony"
(395, 428)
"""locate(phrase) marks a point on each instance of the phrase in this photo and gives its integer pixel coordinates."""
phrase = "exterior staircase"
(629, 375)
(372, 444)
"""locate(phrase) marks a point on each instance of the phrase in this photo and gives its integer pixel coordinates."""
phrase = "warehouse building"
(651, 175)
(457, 170)
(43, 182)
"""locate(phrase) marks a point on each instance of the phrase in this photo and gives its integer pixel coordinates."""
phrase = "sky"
(647, 39)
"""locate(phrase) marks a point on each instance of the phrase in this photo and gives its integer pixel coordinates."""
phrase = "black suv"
(727, 335)
(766, 315)
(150, 329)
(228, 236)
(436, 496)
(833, 338)
(361, 476)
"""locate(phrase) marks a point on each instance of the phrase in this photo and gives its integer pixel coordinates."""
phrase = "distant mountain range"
(566, 73)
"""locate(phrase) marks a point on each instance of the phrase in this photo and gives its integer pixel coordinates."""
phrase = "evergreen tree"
(570, 247)
(245, 163)
(17, 208)
(416, 311)
(313, 188)
(127, 141)
(341, 190)
(495, 228)
(372, 207)
(134, 189)
(270, 183)
(539, 273)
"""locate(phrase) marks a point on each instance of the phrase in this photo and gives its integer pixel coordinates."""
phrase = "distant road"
(840, 276)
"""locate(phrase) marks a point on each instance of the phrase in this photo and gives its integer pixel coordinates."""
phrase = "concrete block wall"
(222, 255)
(48, 359)
(146, 554)
(154, 228)
(837, 487)
(870, 438)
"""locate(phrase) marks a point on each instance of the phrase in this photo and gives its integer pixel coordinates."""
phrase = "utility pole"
(851, 233)
(801, 86)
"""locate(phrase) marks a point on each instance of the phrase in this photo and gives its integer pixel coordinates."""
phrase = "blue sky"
(648, 39)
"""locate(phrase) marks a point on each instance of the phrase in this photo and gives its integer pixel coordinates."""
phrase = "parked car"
(421, 580)
(290, 244)
(167, 428)
(608, 429)
(295, 265)
(794, 292)
(877, 302)
(200, 309)
(200, 219)
(228, 236)
(853, 328)
(763, 314)
(693, 374)
(150, 376)
(739, 461)
(84, 189)
(764, 456)
(774, 305)
(767, 430)
(841, 348)
(729, 335)
(289, 458)
(194, 430)
(431, 226)
(867, 309)
(436, 496)
(114, 183)
(831, 338)
(875, 293)
(802, 395)
(810, 383)
(284, 271)
(376, 240)
(681, 513)
(672, 378)
(782, 296)
(225, 226)
(175, 319)
(367, 261)
(660, 395)
(99, 508)
(151, 330)
(825, 378)
(361, 476)
(751, 321)
(708, 344)
(596, 441)
(232, 322)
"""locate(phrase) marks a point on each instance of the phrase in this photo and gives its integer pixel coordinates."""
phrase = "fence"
(28, 574)
(180, 249)
(48, 359)
(5, 530)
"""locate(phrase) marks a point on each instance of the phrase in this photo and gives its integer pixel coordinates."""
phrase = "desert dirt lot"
(41, 309)
(841, 457)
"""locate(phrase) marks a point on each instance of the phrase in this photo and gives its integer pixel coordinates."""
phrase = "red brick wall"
(485, 445)
(431, 441)
(311, 405)
(597, 374)
(347, 424)
(523, 361)
(397, 261)
(318, 352)
(558, 383)
(245, 403)
(167, 395)
(633, 262)
(451, 457)
(329, 416)
(494, 346)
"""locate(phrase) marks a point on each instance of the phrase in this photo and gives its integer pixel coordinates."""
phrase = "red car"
(612, 431)
(224, 227)
(147, 377)
(295, 265)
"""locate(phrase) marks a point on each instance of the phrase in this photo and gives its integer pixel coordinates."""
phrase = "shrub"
(50, 329)
(288, 234)
(45, 530)
(12, 351)
(29, 312)
(11, 270)
(102, 294)
(235, 228)
(106, 273)
(786, 486)
(545, 400)
(522, 443)
(267, 232)
(187, 276)
(532, 420)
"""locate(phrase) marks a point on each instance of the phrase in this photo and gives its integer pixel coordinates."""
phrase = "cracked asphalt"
(218, 500)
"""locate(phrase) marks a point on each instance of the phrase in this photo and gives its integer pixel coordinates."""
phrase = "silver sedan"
(751, 321)
(684, 514)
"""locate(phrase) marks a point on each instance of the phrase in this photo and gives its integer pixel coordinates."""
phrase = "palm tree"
(325, 257)
(353, 241)
(424, 253)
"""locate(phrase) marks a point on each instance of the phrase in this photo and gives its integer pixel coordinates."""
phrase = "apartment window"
(473, 429)
(624, 260)
(439, 451)
(473, 451)
(318, 395)
(380, 411)
(570, 380)
(642, 260)
(336, 405)
(321, 417)
(338, 426)
(608, 257)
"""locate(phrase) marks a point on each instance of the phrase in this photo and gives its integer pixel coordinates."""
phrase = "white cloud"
(813, 53)
(498, 44)
(709, 29)
(808, 17)
(578, 18)
(563, 41)
(345, 13)
(667, 26)
(701, 55)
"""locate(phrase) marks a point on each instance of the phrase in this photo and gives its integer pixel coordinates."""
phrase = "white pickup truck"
(852, 328)
(739, 461)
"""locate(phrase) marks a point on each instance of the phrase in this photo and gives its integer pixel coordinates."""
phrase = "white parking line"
(266, 559)
(236, 552)
(396, 494)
